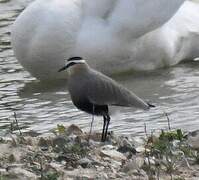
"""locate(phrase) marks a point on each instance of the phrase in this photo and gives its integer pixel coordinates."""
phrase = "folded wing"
(104, 90)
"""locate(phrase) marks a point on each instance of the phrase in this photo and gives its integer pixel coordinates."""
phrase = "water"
(41, 107)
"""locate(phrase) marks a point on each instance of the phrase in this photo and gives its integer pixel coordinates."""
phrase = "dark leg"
(91, 123)
(103, 131)
(107, 124)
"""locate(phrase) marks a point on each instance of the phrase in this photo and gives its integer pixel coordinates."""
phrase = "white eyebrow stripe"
(76, 61)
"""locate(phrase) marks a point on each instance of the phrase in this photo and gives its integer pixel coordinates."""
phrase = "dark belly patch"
(86, 106)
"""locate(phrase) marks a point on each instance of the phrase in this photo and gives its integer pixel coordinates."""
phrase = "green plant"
(51, 176)
(167, 150)
(76, 149)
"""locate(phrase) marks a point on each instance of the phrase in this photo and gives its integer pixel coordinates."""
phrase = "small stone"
(96, 137)
(59, 141)
(193, 139)
(134, 172)
(31, 133)
(44, 148)
(43, 142)
(80, 173)
(73, 129)
(29, 141)
(140, 149)
(113, 154)
(102, 175)
(84, 162)
(143, 173)
(126, 147)
(57, 167)
(22, 173)
(2, 171)
(108, 147)
(129, 166)
(115, 164)
(151, 161)
(11, 158)
(139, 161)
(14, 165)
(70, 168)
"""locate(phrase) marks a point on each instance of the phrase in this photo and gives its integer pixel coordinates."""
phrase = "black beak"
(66, 66)
(63, 68)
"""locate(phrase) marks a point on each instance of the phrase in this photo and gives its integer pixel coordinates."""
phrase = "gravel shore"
(68, 154)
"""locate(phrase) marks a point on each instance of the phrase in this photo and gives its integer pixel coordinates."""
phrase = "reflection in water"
(42, 106)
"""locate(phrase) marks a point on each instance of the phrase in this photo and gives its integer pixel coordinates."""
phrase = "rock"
(126, 147)
(149, 162)
(96, 161)
(11, 158)
(102, 175)
(10, 153)
(59, 141)
(84, 162)
(81, 174)
(139, 161)
(113, 154)
(134, 163)
(95, 137)
(28, 141)
(44, 142)
(121, 175)
(193, 139)
(108, 147)
(4, 149)
(115, 164)
(22, 173)
(31, 133)
(54, 167)
(129, 166)
(140, 149)
(143, 173)
(73, 129)
(70, 159)
(2, 171)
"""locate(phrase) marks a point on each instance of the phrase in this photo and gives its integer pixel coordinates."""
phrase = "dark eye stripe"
(71, 64)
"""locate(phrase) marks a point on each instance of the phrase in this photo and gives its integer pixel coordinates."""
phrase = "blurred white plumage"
(175, 41)
(110, 32)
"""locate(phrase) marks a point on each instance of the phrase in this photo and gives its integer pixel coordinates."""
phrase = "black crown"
(75, 58)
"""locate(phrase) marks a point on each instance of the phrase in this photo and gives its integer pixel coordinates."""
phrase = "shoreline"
(67, 154)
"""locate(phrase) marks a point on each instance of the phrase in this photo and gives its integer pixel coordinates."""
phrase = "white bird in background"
(106, 31)
(175, 41)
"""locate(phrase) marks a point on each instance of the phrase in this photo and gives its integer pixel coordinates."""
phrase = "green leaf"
(61, 129)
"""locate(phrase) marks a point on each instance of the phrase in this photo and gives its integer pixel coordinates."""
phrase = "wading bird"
(92, 91)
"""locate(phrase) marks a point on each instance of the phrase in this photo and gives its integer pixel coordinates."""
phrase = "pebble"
(113, 154)
(2, 171)
(193, 139)
(22, 173)
(85, 162)
(126, 146)
(73, 129)
(59, 141)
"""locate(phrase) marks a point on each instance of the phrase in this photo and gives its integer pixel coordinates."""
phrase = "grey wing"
(103, 90)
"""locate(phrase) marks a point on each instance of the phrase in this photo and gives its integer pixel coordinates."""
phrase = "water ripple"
(41, 106)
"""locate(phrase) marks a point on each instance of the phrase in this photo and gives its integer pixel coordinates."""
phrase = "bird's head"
(72, 62)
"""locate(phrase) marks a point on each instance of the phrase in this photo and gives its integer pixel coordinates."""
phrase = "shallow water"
(41, 107)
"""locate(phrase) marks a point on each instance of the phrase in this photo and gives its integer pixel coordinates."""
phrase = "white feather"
(102, 31)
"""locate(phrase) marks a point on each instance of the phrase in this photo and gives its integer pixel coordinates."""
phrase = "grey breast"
(102, 90)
